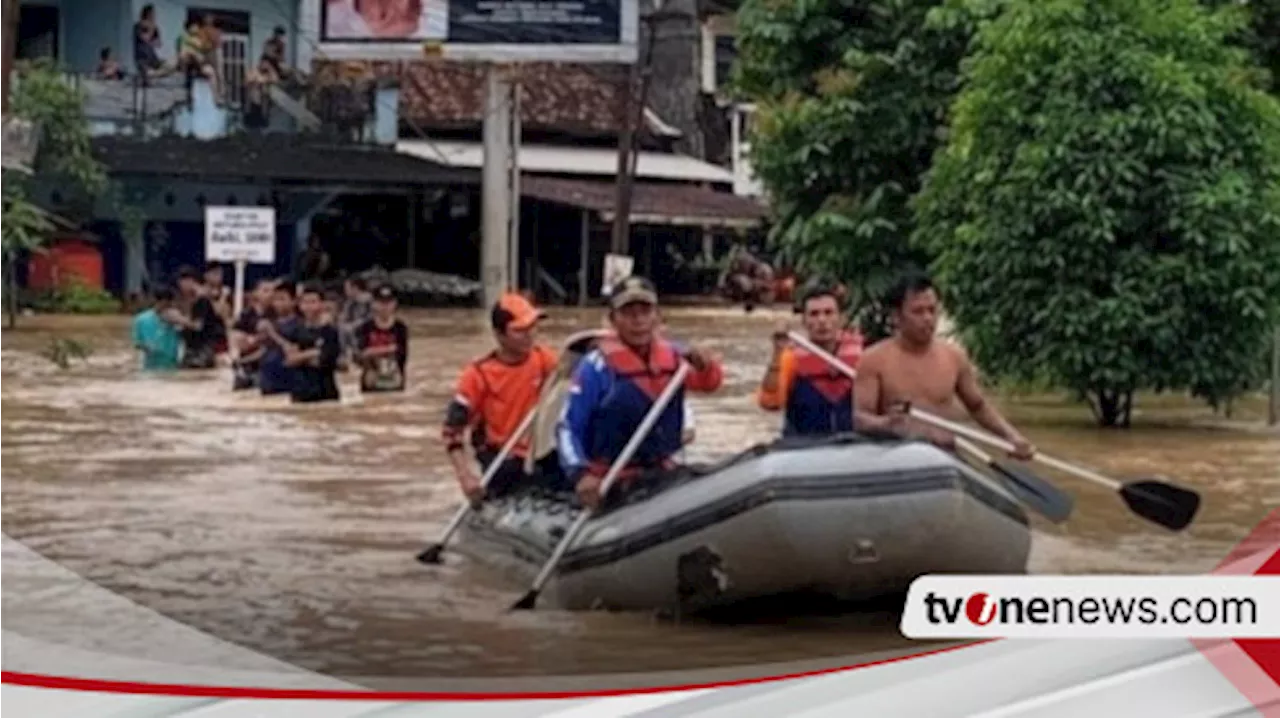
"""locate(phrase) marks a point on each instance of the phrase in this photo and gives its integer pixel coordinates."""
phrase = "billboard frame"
(312, 45)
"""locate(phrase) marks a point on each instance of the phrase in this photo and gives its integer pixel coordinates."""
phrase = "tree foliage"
(1107, 208)
(64, 158)
(851, 97)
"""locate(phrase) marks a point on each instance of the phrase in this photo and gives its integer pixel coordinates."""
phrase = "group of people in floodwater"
(288, 339)
(614, 384)
(292, 339)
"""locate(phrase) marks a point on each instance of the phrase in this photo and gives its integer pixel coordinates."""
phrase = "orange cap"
(514, 311)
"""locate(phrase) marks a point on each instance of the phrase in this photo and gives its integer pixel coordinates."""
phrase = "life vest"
(820, 401)
(629, 399)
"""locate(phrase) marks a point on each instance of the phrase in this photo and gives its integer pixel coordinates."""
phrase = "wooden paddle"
(575, 343)
(1037, 493)
(1155, 500)
(530, 599)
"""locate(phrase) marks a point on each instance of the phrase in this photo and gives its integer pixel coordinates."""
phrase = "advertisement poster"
(516, 22)
(384, 20)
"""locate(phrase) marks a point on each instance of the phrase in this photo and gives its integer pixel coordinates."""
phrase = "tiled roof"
(652, 199)
(271, 156)
(584, 98)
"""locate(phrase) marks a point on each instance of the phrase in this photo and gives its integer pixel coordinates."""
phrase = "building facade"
(378, 161)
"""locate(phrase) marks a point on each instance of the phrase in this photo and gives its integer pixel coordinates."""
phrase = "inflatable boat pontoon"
(849, 517)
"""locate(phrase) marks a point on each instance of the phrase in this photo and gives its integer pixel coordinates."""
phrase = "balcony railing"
(359, 108)
(130, 105)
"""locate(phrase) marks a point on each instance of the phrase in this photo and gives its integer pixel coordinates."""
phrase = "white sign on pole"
(240, 234)
(617, 267)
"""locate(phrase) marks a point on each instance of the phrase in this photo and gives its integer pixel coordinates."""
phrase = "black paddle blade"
(1170, 506)
(529, 600)
(1050, 501)
(431, 554)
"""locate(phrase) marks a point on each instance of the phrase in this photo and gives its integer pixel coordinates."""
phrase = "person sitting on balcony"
(271, 67)
(197, 56)
(108, 68)
(146, 44)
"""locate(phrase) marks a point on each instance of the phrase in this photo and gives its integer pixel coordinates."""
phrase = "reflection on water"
(292, 530)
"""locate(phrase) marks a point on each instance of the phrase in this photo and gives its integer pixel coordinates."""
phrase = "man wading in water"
(913, 369)
(314, 354)
(494, 394)
(203, 330)
(276, 331)
(382, 345)
(244, 336)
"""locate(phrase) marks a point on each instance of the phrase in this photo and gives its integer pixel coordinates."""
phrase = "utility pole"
(495, 202)
(633, 115)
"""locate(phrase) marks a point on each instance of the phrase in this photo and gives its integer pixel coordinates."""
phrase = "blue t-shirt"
(273, 376)
(158, 341)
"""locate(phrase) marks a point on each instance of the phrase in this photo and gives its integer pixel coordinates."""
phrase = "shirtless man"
(913, 367)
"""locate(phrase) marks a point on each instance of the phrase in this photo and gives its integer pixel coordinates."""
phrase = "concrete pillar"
(135, 260)
(495, 202)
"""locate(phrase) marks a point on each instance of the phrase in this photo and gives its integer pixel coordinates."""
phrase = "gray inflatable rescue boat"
(850, 517)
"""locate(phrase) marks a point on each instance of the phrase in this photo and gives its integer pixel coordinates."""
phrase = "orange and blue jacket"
(613, 388)
(817, 399)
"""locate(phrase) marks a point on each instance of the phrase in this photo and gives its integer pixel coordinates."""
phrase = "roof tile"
(568, 97)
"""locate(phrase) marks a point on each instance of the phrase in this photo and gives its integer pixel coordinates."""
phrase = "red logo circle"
(980, 609)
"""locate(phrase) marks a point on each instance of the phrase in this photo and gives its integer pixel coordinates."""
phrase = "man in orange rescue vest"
(494, 393)
(816, 399)
(615, 386)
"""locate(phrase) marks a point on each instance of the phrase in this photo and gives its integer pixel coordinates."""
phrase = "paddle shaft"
(961, 429)
(489, 473)
(507, 447)
(628, 451)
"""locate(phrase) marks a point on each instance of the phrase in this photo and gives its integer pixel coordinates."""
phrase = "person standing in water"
(494, 393)
(356, 308)
(203, 328)
(382, 345)
(315, 352)
(156, 336)
(275, 334)
(244, 337)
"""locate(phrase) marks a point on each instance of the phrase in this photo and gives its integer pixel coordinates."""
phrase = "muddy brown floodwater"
(292, 530)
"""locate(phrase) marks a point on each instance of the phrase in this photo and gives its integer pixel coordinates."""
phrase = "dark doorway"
(38, 32)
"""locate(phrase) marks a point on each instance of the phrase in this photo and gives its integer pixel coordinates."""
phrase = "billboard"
(483, 30)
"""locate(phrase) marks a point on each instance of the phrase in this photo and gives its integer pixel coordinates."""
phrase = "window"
(38, 31)
(725, 55)
(718, 53)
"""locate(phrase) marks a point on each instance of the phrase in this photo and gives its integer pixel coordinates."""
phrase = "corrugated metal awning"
(553, 159)
(651, 202)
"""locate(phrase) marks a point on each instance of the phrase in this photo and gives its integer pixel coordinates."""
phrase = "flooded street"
(292, 530)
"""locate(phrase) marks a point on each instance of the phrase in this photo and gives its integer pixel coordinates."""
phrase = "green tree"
(1106, 211)
(64, 158)
(1261, 34)
(851, 98)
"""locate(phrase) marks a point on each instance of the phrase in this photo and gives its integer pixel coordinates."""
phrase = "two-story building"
(379, 161)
